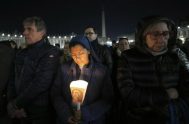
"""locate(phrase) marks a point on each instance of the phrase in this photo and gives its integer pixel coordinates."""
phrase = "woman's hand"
(75, 119)
(172, 93)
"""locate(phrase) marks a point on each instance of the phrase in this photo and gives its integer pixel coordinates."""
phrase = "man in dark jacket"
(103, 54)
(35, 67)
(153, 83)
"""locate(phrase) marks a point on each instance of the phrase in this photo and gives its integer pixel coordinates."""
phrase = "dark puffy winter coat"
(103, 54)
(35, 68)
(143, 80)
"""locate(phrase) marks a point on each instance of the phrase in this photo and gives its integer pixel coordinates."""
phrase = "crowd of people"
(147, 83)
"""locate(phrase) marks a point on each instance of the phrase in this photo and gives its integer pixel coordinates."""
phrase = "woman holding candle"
(99, 93)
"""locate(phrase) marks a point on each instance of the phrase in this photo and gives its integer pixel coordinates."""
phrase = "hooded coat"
(99, 94)
(143, 79)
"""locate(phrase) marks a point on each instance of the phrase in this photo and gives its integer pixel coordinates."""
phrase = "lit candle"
(78, 89)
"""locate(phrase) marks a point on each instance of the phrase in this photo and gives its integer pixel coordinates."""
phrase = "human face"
(66, 49)
(90, 34)
(77, 96)
(31, 34)
(157, 37)
(80, 55)
(123, 45)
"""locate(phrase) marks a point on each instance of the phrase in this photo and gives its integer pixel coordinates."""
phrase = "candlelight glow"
(78, 89)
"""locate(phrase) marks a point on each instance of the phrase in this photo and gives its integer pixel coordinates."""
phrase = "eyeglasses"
(89, 33)
(157, 34)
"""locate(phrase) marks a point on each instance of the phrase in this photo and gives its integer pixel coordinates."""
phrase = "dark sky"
(69, 16)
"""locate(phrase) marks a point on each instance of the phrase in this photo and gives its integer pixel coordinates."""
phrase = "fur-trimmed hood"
(143, 25)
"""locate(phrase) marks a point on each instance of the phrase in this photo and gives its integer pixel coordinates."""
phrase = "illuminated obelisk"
(103, 38)
(103, 24)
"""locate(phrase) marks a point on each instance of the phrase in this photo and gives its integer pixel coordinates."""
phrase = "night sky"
(69, 16)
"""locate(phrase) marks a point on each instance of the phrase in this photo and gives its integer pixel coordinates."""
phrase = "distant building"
(19, 39)
(183, 28)
(183, 33)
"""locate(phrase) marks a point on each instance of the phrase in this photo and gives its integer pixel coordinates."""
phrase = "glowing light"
(78, 89)
(182, 38)
(109, 43)
(131, 41)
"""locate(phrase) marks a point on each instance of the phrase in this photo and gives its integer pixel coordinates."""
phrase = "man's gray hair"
(39, 23)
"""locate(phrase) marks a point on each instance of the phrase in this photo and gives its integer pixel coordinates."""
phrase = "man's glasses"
(157, 34)
(89, 33)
